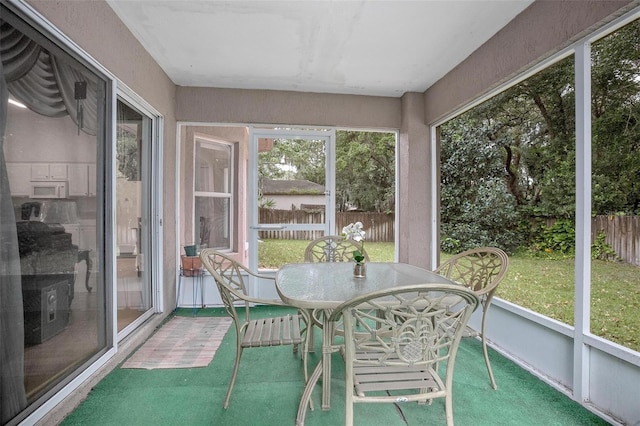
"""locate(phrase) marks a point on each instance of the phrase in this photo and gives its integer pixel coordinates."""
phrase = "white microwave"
(48, 190)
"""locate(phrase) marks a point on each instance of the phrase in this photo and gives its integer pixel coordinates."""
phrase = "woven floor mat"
(183, 342)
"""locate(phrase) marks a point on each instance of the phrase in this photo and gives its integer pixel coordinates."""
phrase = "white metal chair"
(480, 270)
(330, 248)
(395, 340)
(229, 277)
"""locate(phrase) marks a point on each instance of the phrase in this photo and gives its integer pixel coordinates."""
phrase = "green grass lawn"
(274, 253)
(547, 286)
(542, 285)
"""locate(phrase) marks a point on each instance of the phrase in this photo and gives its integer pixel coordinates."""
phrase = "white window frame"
(210, 143)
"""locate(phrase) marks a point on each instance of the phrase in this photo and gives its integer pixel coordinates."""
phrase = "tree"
(365, 171)
(294, 159)
(365, 167)
(525, 138)
(476, 207)
(615, 122)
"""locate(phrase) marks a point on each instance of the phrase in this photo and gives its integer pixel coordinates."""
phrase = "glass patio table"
(326, 285)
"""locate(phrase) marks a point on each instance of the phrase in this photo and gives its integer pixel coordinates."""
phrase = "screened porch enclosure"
(580, 341)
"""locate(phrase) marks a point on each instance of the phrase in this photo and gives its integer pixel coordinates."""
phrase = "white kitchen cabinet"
(82, 180)
(19, 179)
(78, 180)
(48, 171)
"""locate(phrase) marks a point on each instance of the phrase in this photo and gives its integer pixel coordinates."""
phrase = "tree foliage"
(522, 144)
(365, 171)
(365, 167)
(127, 156)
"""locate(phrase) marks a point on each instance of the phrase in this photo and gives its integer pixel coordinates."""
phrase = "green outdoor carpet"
(270, 383)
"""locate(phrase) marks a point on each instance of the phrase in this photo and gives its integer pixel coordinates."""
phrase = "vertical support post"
(582, 311)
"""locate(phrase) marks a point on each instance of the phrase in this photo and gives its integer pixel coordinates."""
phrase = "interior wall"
(543, 29)
(53, 131)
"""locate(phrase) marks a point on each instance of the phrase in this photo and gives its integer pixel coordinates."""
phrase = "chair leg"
(448, 409)
(349, 391)
(485, 351)
(306, 395)
(306, 316)
(234, 374)
(311, 339)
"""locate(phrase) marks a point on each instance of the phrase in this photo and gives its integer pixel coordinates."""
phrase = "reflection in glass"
(134, 288)
(213, 181)
(213, 218)
(53, 294)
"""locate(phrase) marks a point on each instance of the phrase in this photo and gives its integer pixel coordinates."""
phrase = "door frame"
(255, 133)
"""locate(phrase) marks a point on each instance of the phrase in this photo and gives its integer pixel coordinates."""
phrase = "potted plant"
(354, 232)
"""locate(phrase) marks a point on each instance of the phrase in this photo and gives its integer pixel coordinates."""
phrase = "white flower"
(354, 231)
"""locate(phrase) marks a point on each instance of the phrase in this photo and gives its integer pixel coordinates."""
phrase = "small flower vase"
(359, 270)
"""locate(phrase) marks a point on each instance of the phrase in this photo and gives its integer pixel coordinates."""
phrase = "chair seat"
(389, 377)
(275, 331)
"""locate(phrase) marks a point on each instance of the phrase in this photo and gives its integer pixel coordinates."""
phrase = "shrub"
(559, 241)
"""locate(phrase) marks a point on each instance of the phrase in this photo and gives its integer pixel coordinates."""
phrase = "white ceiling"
(368, 47)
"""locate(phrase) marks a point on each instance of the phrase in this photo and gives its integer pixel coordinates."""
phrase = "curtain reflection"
(12, 389)
(49, 325)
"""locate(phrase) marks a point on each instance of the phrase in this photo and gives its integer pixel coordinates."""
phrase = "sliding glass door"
(133, 196)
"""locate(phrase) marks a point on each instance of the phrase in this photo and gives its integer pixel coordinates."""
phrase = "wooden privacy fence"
(622, 234)
(378, 226)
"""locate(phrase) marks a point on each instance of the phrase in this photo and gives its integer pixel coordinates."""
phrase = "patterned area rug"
(183, 342)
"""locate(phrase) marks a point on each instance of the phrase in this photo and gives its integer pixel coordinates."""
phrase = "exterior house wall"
(415, 177)
(285, 202)
(240, 138)
(215, 105)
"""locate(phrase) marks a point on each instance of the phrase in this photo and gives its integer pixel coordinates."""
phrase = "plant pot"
(191, 266)
(360, 270)
(191, 250)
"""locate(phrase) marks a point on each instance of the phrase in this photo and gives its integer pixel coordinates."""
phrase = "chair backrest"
(407, 326)
(480, 269)
(227, 274)
(332, 248)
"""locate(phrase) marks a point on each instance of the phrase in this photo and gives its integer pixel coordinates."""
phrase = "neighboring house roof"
(291, 187)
